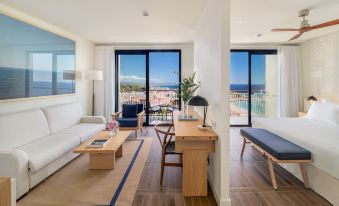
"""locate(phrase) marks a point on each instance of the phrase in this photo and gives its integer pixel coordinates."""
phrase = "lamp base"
(203, 128)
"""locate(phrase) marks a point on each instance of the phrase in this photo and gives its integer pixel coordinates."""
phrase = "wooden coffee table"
(103, 158)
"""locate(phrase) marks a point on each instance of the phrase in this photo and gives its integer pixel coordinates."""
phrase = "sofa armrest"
(93, 119)
(14, 163)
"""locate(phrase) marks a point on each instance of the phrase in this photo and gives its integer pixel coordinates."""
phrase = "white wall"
(320, 67)
(211, 62)
(84, 61)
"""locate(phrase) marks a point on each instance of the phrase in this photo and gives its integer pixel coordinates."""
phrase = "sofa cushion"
(63, 116)
(20, 128)
(83, 130)
(129, 110)
(45, 150)
(128, 122)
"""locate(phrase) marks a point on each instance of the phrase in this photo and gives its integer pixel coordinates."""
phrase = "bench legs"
(243, 147)
(270, 166)
(272, 173)
(304, 174)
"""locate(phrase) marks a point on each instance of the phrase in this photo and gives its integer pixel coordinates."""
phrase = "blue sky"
(239, 68)
(42, 64)
(164, 68)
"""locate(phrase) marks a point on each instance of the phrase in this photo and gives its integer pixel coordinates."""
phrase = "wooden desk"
(5, 191)
(195, 146)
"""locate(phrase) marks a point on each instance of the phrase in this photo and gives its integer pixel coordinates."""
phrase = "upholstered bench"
(277, 149)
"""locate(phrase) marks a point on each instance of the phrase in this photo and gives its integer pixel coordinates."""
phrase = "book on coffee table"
(97, 143)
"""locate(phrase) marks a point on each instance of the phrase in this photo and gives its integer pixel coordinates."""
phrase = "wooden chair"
(132, 117)
(166, 135)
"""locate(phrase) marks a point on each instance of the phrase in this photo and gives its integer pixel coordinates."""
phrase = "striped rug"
(75, 184)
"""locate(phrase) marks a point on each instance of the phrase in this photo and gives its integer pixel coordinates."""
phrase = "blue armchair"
(131, 117)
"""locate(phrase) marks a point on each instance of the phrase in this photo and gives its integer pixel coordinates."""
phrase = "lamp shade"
(94, 75)
(68, 75)
(312, 98)
(197, 101)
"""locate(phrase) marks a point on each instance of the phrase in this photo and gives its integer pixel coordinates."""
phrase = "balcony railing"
(239, 103)
(156, 97)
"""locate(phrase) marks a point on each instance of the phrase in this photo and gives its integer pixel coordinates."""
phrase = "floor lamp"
(94, 75)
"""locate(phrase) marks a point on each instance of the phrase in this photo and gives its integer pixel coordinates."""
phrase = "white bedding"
(320, 138)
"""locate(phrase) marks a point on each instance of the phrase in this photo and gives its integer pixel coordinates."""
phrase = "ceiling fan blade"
(326, 24)
(284, 29)
(296, 36)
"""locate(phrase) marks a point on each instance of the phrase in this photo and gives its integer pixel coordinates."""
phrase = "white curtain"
(104, 90)
(290, 81)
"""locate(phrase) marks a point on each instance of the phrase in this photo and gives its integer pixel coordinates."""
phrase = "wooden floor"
(250, 183)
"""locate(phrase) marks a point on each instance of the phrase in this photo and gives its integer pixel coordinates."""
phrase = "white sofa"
(36, 143)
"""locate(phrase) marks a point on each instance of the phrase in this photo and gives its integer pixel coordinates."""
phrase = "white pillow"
(327, 112)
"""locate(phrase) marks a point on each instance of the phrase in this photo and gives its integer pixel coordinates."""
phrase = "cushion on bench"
(275, 145)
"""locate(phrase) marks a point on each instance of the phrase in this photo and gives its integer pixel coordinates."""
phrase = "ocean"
(166, 86)
(243, 88)
(258, 98)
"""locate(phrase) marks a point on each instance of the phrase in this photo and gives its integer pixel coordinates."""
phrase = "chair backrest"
(131, 110)
(140, 107)
(164, 133)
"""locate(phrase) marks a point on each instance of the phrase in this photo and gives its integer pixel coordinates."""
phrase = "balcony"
(162, 103)
(262, 105)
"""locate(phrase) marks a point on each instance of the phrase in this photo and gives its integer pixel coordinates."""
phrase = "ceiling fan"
(305, 26)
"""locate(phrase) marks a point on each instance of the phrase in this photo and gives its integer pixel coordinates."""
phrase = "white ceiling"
(111, 21)
(174, 21)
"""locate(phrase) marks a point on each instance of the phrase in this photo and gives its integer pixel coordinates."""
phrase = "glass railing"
(239, 103)
(157, 97)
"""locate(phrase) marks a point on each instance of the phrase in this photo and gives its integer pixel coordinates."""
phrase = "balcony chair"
(165, 135)
(132, 117)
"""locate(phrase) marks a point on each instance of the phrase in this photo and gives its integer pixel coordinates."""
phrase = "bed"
(322, 139)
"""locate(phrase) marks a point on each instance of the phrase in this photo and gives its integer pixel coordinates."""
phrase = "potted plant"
(187, 90)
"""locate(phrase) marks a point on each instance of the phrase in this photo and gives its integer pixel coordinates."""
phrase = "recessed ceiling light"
(145, 13)
(240, 21)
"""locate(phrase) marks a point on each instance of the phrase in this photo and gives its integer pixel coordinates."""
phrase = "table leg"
(195, 172)
(118, 153)
(5, 191)
(102, 161)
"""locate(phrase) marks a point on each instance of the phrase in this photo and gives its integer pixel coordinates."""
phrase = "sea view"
(243, 88)
(239, 99)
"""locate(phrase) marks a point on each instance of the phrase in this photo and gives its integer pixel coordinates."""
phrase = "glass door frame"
(249, 69)
(145, 52)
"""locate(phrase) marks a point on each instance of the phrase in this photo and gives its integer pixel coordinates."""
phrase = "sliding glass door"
(131, 82)
(150, 77)
(253, 89)
(239, 88)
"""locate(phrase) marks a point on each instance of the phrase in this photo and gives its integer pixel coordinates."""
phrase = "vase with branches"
(187, 89)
